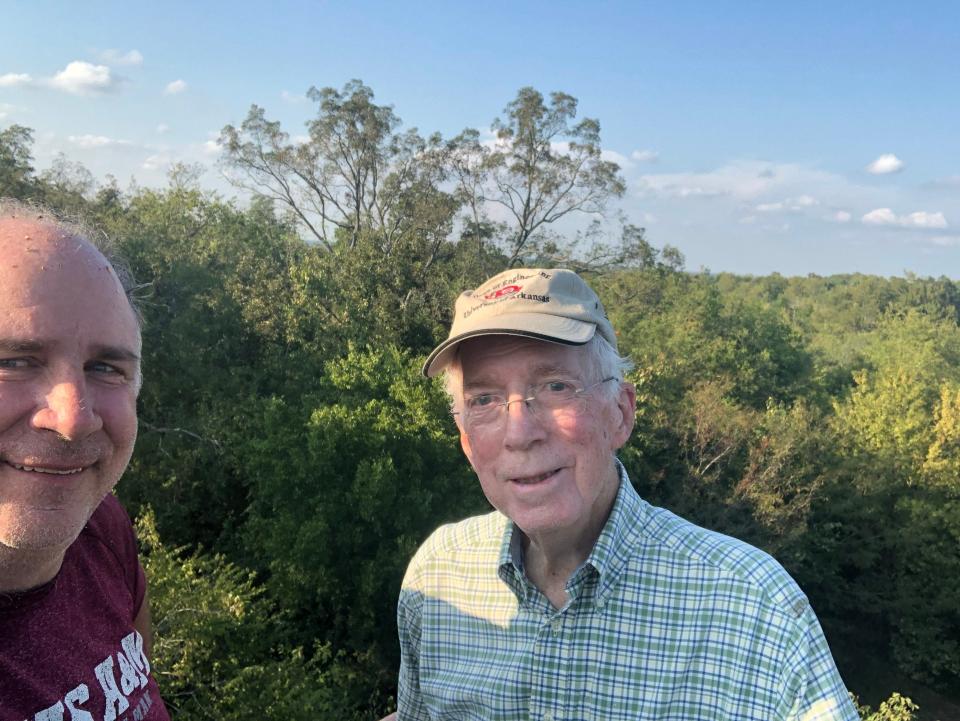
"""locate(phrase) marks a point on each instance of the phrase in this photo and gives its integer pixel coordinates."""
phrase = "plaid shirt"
(665, 620)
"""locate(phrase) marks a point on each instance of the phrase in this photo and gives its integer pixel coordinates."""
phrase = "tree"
(541, 169)
(67, 185)
(895, 708)
(219, 650)
(370, 465)
(354, 172)
(16, 171)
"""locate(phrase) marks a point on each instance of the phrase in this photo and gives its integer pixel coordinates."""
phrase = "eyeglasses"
(551, 400)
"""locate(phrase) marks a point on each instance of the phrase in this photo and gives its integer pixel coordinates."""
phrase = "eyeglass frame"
(528, 401)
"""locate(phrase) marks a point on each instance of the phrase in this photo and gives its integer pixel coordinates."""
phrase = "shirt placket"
(553, 648)
(549, 683)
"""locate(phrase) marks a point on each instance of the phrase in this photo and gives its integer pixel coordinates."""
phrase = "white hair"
(602, 361)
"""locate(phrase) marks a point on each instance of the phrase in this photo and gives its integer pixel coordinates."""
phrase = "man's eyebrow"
(31, 345)
(18, 345)
(553, 369)
(481, 382)
(115, 353)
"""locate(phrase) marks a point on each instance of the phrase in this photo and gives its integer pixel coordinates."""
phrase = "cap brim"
(550, 328)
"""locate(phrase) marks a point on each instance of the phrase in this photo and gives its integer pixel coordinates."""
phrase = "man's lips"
(533, 480)
(52, 469)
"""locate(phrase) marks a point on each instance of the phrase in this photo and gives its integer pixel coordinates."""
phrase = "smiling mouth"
(532, 480)
(51, 471)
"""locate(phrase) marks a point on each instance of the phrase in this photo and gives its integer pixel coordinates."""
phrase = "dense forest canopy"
(291, 458)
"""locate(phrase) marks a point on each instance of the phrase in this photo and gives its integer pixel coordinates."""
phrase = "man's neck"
(550, 559)
(22, 570)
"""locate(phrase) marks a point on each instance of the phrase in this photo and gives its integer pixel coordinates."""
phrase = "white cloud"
(792, 205)
(115, 57)
(12, 80)
(609, 155)
(950, 182)
(750, 190)
(885, 164)
(157, 162)
(163, 128)
(923, 219)
(743, 181)
(880, 216)
(918, 219)
(175, 87)
(645, 156)
(946, 240)
(83, 78)
(294, 98)
(95, 141)
(625, 162)
(211, 147)
(6, 109)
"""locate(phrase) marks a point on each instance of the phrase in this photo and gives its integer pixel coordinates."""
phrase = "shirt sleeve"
(820, 692)
(110, 525)
(409, 616)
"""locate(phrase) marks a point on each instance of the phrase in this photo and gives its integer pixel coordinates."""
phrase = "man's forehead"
(506, 343)
(32, 239)
(32, 252)
(51, 280)
(537, 357)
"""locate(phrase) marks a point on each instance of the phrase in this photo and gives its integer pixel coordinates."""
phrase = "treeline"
(291, 458)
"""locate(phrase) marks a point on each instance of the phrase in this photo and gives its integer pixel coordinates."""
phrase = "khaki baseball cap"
(554, 305)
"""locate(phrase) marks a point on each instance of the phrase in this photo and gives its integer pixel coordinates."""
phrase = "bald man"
(74, 619)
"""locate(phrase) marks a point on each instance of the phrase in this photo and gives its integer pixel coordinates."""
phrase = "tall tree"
(541, 168)
(16, 171)
(352, 174)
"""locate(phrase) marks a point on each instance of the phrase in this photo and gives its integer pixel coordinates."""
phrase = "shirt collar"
(510, 561)
(616, 542)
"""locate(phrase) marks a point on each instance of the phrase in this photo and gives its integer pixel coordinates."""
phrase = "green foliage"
(212, 652)
(16, 171)
(354, 175)
(529, 177)
(684, 319)
(345, 489)
(895, 708)
(788, 463)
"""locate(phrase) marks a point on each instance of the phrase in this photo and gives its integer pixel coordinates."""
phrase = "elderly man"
(575, 599)
(74, 621)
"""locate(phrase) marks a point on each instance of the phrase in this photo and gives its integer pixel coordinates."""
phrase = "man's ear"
(465, 443)
(625, 415)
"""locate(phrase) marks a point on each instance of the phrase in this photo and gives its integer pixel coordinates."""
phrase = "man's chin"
(40, 529)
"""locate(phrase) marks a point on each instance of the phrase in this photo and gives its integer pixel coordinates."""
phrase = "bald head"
(33, 228)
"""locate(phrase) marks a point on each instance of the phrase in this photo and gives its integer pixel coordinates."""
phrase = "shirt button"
(548, 716)
(555, 627)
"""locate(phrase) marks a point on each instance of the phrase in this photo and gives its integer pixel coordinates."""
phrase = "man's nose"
(522, 426)
(67, 410)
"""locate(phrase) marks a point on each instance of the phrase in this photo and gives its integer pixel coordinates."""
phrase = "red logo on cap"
(505, 290)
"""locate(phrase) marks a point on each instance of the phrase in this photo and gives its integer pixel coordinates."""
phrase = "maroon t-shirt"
(68, 650)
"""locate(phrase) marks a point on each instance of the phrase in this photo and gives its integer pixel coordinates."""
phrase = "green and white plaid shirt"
(665, 620)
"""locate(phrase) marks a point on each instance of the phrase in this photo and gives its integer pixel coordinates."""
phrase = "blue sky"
(755, 136)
